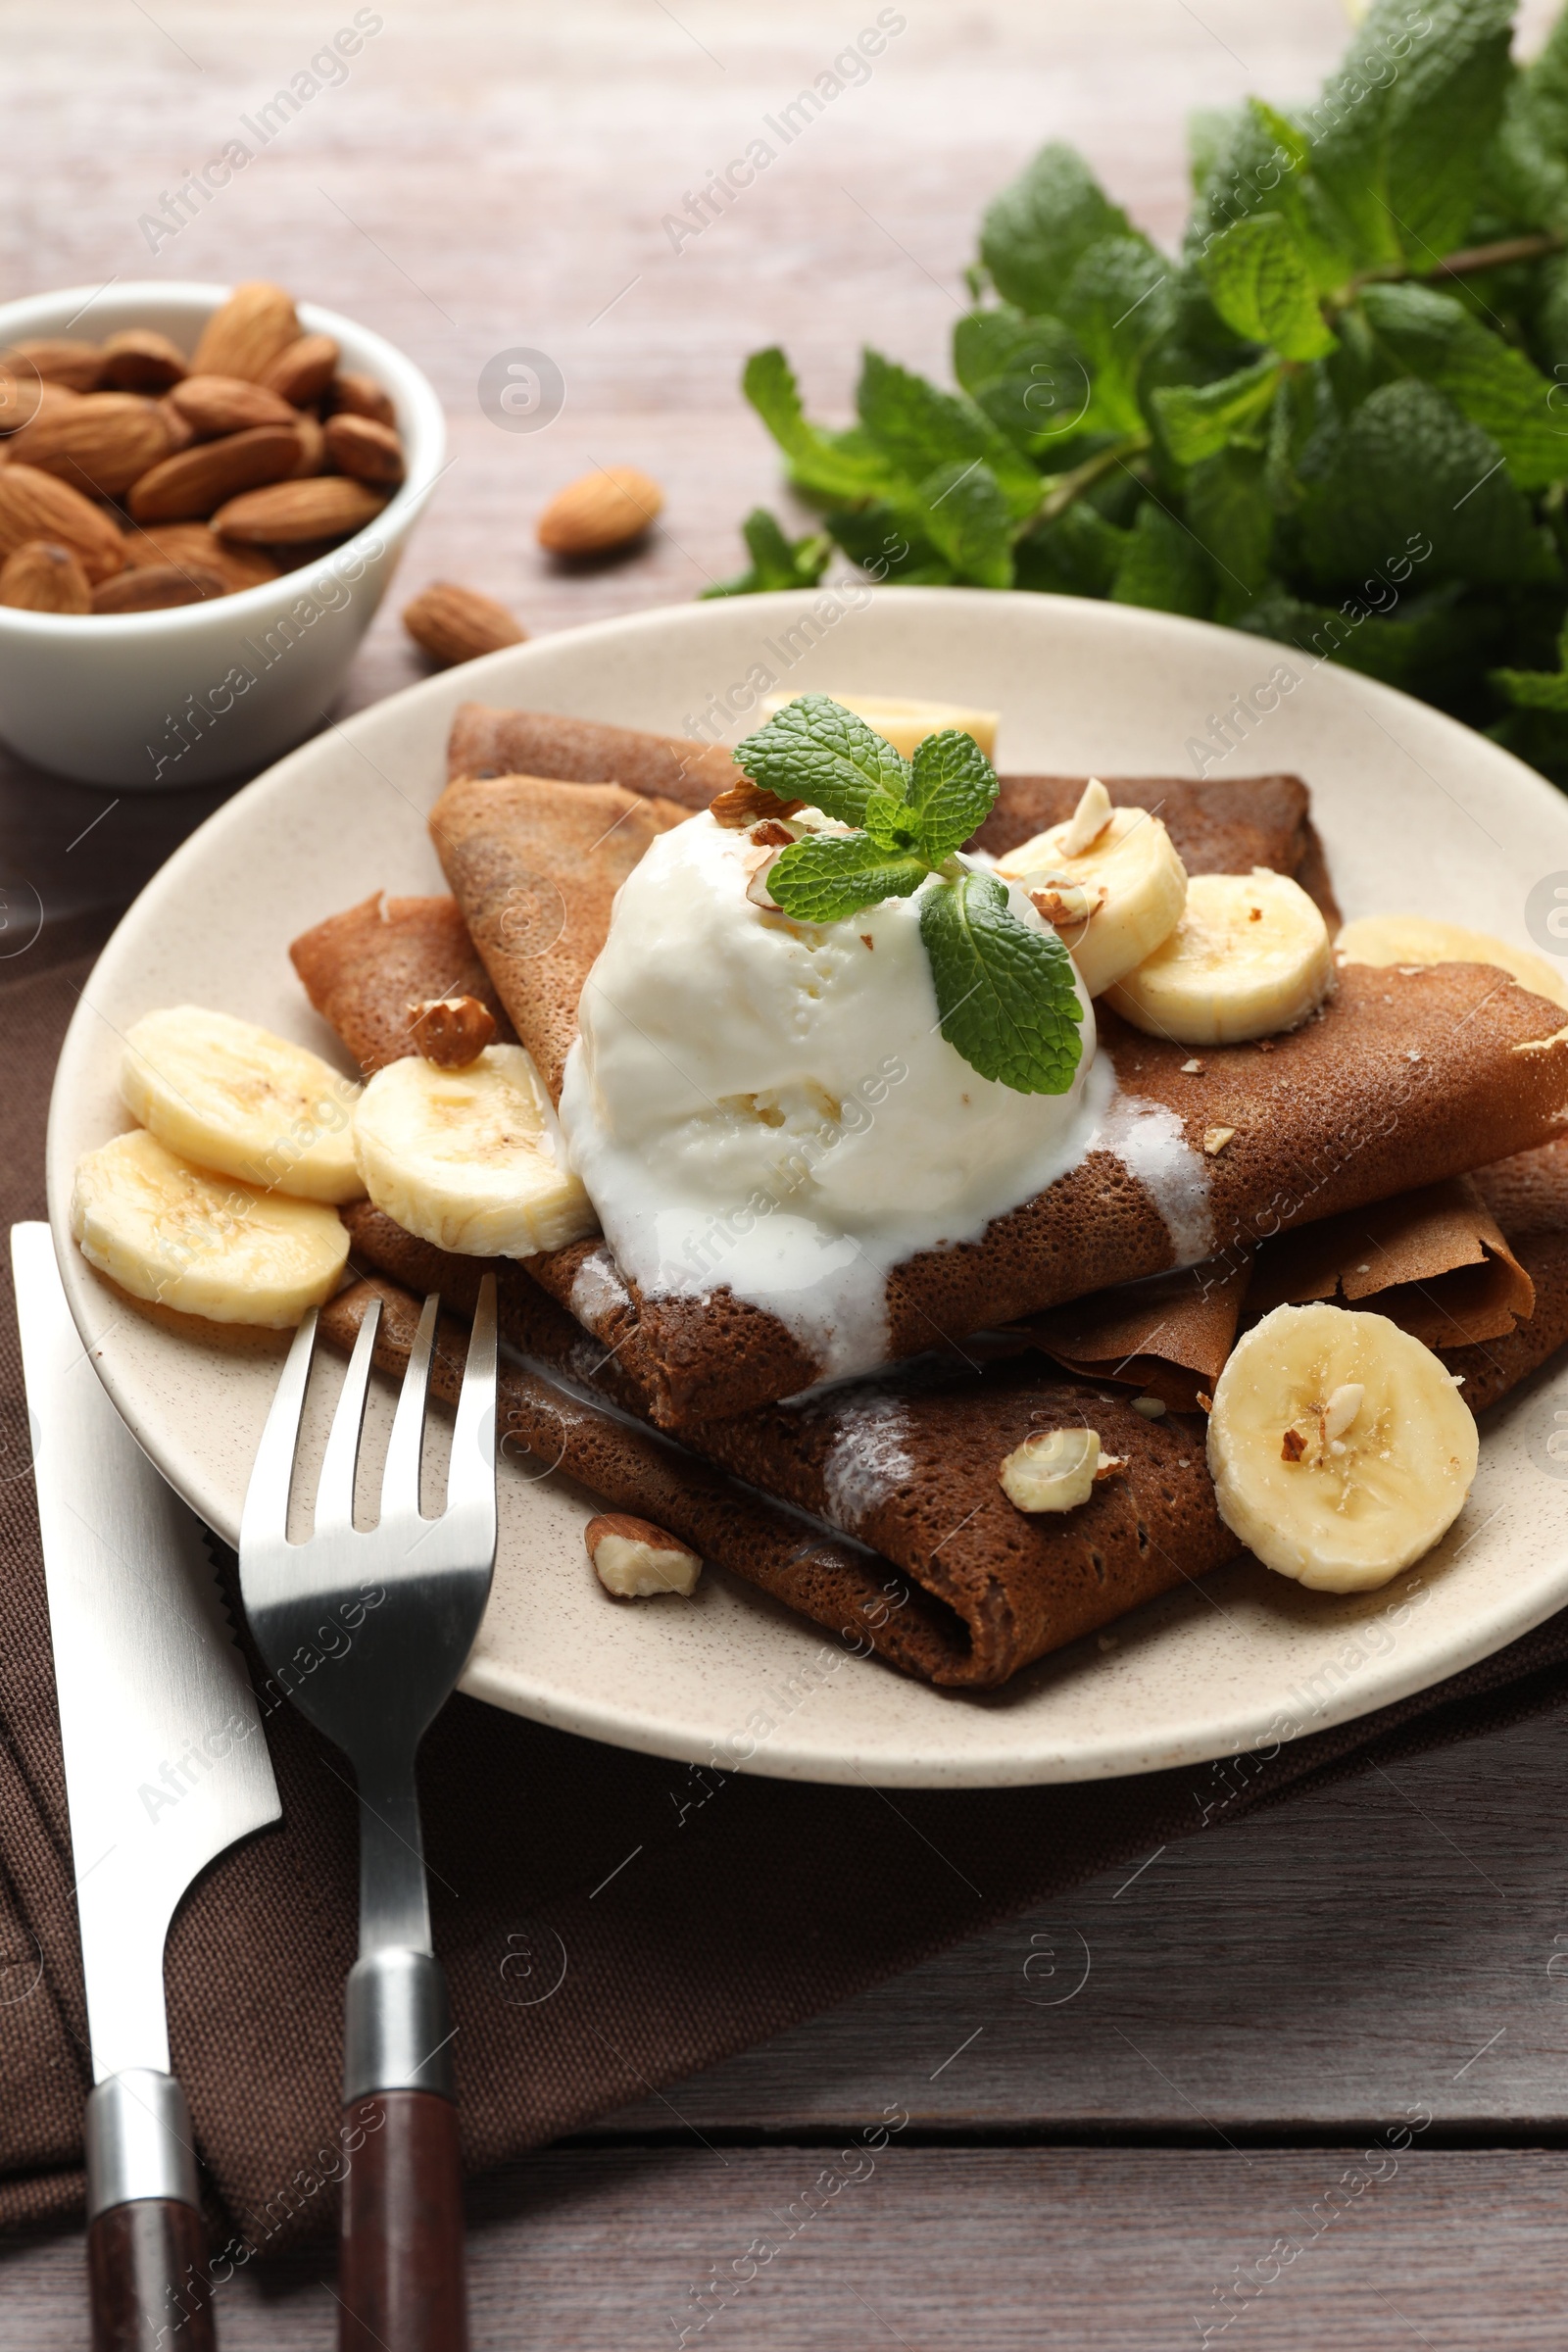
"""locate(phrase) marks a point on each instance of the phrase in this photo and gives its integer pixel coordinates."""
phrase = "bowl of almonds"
(204, 493)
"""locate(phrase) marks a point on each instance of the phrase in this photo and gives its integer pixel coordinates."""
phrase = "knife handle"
(148, 2280)
(147, 2270)
(400, 2262)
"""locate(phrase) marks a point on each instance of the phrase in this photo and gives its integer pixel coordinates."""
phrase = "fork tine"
(471, 1478)
(335, 1493)
(400, 1486)
(265, 1518)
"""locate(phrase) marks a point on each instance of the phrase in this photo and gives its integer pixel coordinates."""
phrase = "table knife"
(165, 1765)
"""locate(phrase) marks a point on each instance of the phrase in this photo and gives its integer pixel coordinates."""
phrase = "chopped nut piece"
(452, 1031)
(1088, 820)
(635, 1559)
(1206, 1401)
(1109, 1467)
(1153, 1408)
(772, 835)
(741, 805)
(1215, 1140)
(1342, 1409)
(1192, 1068)
(1052, 1471)
(1294, 1448)
(1067, 905)
(757, 889)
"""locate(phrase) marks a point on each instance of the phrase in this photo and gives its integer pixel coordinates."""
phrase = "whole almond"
(312, 444)
(35, 506)
(197, 547)
(609, 507)
(213, 404)
(634, 1559)
(157, 588)
(246, 333)
(24, 399)
(302, 371)
(370, 452)
(178, 426)
(59, 359)
(204, 475)
(140, 360)
(42, 576)
(292, 513)
(457, 624)
(361, 396)
(101, 443)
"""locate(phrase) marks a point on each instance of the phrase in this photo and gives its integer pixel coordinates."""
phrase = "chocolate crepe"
(584, 751)
(365, 970)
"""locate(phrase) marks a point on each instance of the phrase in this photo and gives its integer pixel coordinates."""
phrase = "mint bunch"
(1339, 418)
(1007, 994)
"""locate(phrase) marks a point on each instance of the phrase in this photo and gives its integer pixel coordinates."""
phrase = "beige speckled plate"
(1418, 813)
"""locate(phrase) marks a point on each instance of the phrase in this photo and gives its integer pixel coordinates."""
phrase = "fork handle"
(400, 2273)
(401, 2257)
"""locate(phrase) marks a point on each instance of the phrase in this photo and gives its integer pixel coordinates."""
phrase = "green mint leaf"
(1075, 554)
(1437, 338)
(815, 750)
(1164, 567)
(1198, 420)
(1532, 689)
(1259, 282)
(828, 876)
(1037, 229)
(1415, 644)
(962, 511)
(1007, 994)
(919, 431)
(1117, 303)
(1409, 478)
(1442, 113)
(890, 544)
(827, 464)
(953, 789)
(1232, 516)
(1030, 376)
(776, 561)
(1258, 160)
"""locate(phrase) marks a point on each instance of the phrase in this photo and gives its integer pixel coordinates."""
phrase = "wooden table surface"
(1148, 2114)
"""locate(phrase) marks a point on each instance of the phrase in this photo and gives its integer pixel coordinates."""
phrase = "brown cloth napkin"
(739, 1906)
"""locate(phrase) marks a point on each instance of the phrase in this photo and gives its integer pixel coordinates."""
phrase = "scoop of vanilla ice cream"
(770, 1103)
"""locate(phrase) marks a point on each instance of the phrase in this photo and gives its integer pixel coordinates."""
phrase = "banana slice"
(235, 1098)
(470, 1159)
(206, 1245)
(905, 723)
(1339, 1447)
(1249, 956)
(1411, 938)
(1113, 890)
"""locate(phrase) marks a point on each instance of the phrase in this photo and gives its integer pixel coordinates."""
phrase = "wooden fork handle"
(401, 2266)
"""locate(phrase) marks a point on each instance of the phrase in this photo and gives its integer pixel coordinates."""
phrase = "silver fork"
(367, 1629)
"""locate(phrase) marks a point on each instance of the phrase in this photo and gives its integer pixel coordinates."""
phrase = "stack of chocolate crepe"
(1406, 1151)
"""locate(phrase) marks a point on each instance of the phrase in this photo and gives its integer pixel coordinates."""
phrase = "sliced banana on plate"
(905, 723)
(1339, 1447)
(1249, 956)
(1414, 938)
(1109, 880)
(470, 1159)
(232, 1097)
(207, 1245)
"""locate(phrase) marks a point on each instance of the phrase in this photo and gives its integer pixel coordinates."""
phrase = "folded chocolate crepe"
(368, 970)
(943, 1575)
(1220, 826)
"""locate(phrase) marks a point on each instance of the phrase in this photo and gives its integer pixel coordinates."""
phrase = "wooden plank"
(1401, 1936)
(980, 2250)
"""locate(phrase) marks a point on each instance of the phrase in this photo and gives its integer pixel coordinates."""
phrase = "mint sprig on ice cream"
(1005, 991)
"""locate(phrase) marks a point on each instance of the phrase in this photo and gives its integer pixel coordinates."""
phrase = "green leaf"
(815, 750)
(953, 789)
(776, 561)
(1075, 554)
(830, 875)
(1231, 516)
(1442, 113)
(1412, 644)
(1262, 287)
(1437, 338)
(1262, 162)
(965, 515)
(1532, 689)
(827, 464)
(1039, 227)
(1164, 567)
(1198, 420)
(1408, 470)
(1029, 375)
(1117, 303)
(1007, 994)
(919, 431)
(889, 544)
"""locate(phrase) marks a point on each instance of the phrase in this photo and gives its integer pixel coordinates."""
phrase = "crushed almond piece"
(772, 835)
(1215, 1140)
(452, 1031)
(1255, 914)
(741, 805)
(634, 1559)
(1294, 1448)
(1109, 1467)
(1206, 1401)
(866, 941)
(1192, 1068)
(1267, 1045)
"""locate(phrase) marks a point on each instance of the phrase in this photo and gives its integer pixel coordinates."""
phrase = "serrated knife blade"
(166, 1767)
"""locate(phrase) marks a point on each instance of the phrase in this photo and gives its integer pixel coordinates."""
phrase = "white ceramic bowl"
(147, 700)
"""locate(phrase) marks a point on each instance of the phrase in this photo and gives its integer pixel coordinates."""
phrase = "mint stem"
(1065, 487)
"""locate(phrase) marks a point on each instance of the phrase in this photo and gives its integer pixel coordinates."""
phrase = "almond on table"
(457, 624)
(609, 507)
